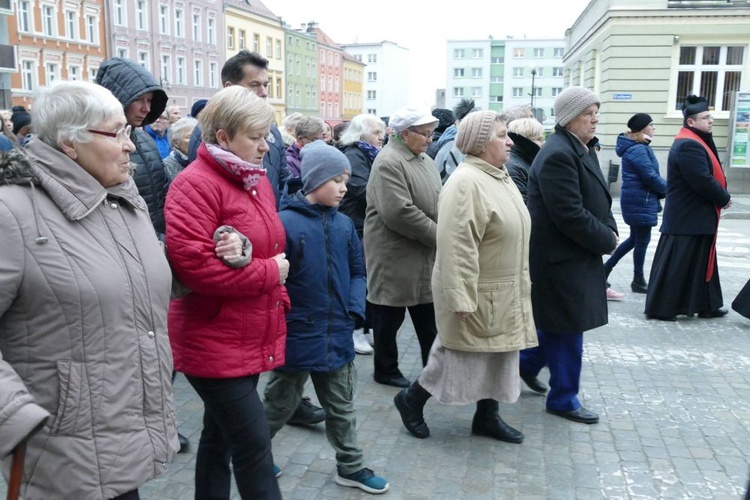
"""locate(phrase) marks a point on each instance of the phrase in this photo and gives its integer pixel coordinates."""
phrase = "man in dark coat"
(685, 276)
(571, 228)
(250, 70)
(144, 101)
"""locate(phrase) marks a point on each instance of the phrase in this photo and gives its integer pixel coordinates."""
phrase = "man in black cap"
(685, 275)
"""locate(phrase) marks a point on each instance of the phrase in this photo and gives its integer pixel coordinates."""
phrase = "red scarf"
(719, 176)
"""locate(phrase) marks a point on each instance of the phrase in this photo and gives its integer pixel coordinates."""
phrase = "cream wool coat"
(482, 262)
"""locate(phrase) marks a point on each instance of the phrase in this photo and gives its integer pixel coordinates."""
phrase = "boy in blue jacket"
(326, 285)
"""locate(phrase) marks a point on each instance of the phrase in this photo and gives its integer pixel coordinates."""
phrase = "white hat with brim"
(404, 118)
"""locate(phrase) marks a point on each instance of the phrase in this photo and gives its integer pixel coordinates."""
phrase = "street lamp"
(533, 87)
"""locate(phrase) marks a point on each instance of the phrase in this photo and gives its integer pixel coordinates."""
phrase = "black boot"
(639, 285)
(487, 422)
(410, 403)
(607, 270)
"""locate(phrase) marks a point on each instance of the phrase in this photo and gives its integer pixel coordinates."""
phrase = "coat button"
(277, 302)
(275, 246)
(113, 206)
(270, 358)
(151, 334)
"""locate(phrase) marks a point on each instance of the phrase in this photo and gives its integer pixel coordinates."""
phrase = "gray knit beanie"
(474, 131)
(573, 101)
(321, 163)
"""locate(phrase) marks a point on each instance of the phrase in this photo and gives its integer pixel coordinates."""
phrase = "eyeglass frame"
(426, 135)
(121, 139)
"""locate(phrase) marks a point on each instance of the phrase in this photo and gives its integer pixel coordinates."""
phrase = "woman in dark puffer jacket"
(642, 187)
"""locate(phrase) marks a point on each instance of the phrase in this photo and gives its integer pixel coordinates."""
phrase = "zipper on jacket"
(330, 290)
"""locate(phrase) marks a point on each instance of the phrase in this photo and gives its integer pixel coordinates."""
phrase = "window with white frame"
(28, 78)
(496, 79)
(180, 70)
(242, 40)
(278, 87)
(49, 23)
(459, 53)
(330, 83)
(198, 73)
(256, 42)
(710, 71)
(372, 58)
(297, 66)
(517, 91)
(166, 67)
(557, 71)
(277, 43)
(230, 37)
(372, 94)
(141, 15)
(196, 26)
(120, 13)
(24, 18)
(52, 72)
(213, 74)
(74, 73)
(476, 72)
(556, 90)
(71, 25)
(372, 111)
(335, 110)
(537, 91)
(297, 96)
(497, 60)
(496, 98)
(476, 91)
(122, 52)
(519, 52)
(92, 29)
(211, 30)
(164, 19)
(559, 51)
(517, 71)
(322, 82)
(458, 72)
(179, 23)
(538, 53)
(92, 73)
(372, 76)
(477, 53)
(143, 59)
(269, 47)
(458, 91)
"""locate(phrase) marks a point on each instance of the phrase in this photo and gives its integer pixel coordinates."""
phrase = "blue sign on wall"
(622, 97)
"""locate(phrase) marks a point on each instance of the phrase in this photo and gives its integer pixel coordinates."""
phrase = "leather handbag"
(16, 471)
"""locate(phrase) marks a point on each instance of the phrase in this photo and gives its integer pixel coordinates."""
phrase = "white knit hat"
(474, 131)
(573, 101)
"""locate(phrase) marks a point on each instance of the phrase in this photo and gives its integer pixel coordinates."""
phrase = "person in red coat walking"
(230, 327)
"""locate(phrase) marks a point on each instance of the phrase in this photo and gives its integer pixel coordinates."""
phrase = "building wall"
(353, 98)
(301, 73)
(330, 68)
(630, 55)
(5, 93)
(468, 72)
(46, 55)
(386, 82)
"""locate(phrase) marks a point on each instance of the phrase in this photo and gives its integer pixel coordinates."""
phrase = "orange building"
(55, 41)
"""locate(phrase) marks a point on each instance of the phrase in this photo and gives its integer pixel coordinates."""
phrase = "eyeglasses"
(120, 136)
(426, 135)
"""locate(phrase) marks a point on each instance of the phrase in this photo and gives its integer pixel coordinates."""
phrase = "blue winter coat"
(642, 186)
(326, 285)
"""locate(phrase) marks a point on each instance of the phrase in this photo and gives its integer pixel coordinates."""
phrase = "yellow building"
(251, 25)
(353, 87)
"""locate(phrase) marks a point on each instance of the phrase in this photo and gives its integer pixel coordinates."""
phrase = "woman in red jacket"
(231, 327)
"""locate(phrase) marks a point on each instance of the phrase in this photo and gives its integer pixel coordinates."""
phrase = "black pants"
(130, 495)
(234, 426)
(386, 321)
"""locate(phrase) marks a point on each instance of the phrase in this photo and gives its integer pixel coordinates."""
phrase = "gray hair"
(529, 128)
(65, 110)
(236, 110)
(360, 125)
(518, 112)
(290, 122)
(309, 127)
(181, 128)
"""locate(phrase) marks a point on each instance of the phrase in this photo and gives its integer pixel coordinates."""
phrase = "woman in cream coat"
(481, 287)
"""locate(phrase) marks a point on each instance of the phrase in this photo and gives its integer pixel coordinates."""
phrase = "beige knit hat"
(474, 131)
(573, 101)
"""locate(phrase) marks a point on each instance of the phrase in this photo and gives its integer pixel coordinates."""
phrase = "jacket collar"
(403, 149)
(498, 173)
(70, 187)
(587, 153)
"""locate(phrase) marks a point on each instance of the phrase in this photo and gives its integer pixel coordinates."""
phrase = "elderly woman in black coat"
(571, 228)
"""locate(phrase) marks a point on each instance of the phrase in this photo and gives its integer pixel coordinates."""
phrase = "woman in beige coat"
(85, 363)
(481, 287)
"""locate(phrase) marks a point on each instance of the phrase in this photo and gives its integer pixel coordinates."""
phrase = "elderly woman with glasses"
(179, 139)
(400, 238)
(85, 363)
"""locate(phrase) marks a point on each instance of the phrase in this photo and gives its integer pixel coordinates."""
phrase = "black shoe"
(581, 415)
(307, 414)
(716, 313)
(639, 285)
(534, 384)
(661, 318)
(397, 381)
(184, 443)
(411, 414)
(495, 427)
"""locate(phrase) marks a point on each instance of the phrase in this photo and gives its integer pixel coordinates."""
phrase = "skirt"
(677, 284)
(461, 378)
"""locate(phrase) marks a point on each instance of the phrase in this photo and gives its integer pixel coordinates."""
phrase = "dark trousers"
(562, 353)
(234, 427)
(130, 495)
(638, 241)
(386, 321)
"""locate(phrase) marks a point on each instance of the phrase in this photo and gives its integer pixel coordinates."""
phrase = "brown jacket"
(400, 226)
(85, 358)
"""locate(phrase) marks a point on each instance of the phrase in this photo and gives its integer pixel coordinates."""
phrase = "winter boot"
(410, 403)
(487, 422)
(639, 285)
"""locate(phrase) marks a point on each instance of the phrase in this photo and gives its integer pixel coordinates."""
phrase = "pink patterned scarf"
(249, 173)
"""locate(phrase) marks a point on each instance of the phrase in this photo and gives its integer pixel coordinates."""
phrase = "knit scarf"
(248, 173)
(370, 150)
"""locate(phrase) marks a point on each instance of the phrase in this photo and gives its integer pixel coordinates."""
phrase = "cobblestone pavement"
(673, 397)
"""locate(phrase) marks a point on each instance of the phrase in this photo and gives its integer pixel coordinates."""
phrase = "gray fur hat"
(573, 101)
(321, 163)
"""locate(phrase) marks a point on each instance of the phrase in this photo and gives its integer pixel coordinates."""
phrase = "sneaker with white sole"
(276, 470)
(361, 345)
(364, 479)
(614, 294)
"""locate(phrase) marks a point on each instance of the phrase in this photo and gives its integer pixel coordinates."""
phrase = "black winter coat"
(522, 154)
(354, 203)
(692, 192)
(571, 228)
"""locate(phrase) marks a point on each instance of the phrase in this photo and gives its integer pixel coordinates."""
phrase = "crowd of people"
(139, 243)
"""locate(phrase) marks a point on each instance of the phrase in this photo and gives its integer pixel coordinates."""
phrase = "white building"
(386, 82)
(468, 73)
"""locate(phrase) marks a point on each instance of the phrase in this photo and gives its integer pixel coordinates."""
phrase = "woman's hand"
(229, 247)
(283, 267)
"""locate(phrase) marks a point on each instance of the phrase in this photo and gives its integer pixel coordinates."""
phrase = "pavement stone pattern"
(673, 398)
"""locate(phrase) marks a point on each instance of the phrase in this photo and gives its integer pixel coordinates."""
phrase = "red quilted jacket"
(232, 323)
